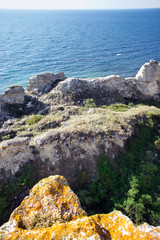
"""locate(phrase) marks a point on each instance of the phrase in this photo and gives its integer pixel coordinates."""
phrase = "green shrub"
(157, 143)
(133, 185)
(34, 119)
(119, 107)
(14, 188)
(89, 103)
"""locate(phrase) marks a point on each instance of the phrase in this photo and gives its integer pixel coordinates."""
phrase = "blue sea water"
(81, 43)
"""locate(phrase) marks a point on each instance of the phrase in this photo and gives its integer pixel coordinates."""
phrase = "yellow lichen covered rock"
(52, 211)
(49, 201)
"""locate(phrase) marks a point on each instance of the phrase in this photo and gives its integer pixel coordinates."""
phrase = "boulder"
(13, 95)
(43, 83)
(10, 101)
(53, 211)
(75, 91)
(148, 80)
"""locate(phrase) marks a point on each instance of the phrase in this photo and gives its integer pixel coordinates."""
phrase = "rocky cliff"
(49, 128)
(53, 211)
(47, 89)
(69, 141)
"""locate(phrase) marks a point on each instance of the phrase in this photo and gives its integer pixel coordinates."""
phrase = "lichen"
(53, 195)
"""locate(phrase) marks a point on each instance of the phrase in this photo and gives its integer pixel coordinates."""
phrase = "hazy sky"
(79, 4)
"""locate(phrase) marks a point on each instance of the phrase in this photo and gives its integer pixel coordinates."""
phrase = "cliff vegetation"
(103, 136)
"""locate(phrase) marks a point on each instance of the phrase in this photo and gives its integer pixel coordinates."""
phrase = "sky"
(79, 4)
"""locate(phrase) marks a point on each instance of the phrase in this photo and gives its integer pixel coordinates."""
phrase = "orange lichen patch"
(52, 212)
(113, 226)
(2, 147)
(49, 201)
(154, 231)
(121, 227)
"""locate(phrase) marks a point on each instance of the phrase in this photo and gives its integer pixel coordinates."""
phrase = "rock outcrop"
(110, 89)
(14, 154)
(13, 95)
(75, 91)
(12, 98)
(73, 146)
(53, 211)
(47, 89)
(148, 80)
(43, 83)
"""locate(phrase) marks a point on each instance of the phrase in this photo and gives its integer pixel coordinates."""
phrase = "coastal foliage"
(13, 188)
(120, 107)
(34, 119)
(132, 185)
(89, 103)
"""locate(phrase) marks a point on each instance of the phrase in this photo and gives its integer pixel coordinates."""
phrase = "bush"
(34, 119)
(133, 185)
(12, 189)
(89, 103)
(120, 107)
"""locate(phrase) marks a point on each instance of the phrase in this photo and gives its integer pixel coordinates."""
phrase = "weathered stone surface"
(43, 83)
(125, 86)
(73, 146)
(50, 201)
(13, 95)
(52, 211)
(14, 153)
(109, 89)
(154, 231)
(148, 80)
(76, 91)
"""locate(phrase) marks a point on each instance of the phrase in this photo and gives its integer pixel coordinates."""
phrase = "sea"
(80, 43)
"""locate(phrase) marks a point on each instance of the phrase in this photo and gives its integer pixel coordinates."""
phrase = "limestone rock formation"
(13, 95)
(52, 211)
(70, 144)
(109, 89)
(11, 151)
(148, 80)
(47, 90)
(43, 83)
(75, 91)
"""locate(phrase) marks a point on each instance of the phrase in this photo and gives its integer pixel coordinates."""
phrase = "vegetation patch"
(34, 119)
(119, 107)
(11, 191)
(132, 185)
(89, 103)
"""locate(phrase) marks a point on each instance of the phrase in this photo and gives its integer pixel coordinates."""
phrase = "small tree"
(136, 205)
(89, 103)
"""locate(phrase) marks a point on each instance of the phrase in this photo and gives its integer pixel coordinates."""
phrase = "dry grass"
(98, 119)
(79, 119)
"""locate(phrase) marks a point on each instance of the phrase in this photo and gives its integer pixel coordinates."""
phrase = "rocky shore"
(46, 90)
(50, 128)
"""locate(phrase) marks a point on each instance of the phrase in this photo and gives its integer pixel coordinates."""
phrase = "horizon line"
(64, 9)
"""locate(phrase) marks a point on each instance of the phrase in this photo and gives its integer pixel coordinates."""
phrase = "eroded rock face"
(14, 154)
(43, 83)
(148, 80)
(52, 211)
(76, 91)
(110, 89)
(72, 146)
(13, 95)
